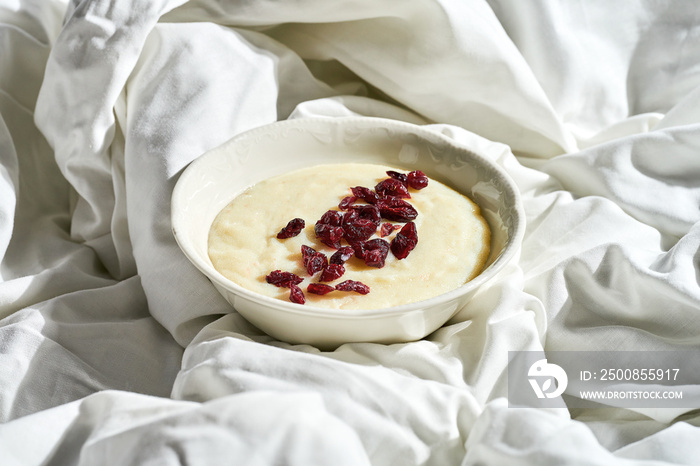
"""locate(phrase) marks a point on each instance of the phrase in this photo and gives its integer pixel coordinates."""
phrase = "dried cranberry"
(417, 179)
(359, 248)
(397, 210)
(331, 217)
(329, 235)
(292, 229)
(332, 272)
(313, 260)
(363, 247)
(369, 212)
(404, 241)
(375, 258)
(341, 255)
(357, 228)
(398, 176)
(283, 279)
(374, 252)
(387, 229)
(306, 252)
(319, 288)
(392, 188)
(346, 202)
(365, 194)
(296, 295)
(316, 263)
(352, 285)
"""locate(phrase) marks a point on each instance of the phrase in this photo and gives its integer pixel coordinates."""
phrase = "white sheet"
(115, 350)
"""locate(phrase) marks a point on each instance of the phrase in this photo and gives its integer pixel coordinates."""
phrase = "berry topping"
(296, 295)
(397, 210)
(417, 179)
(357, 228)
(402, 177)
(346, 202)
(374, 252)
(306, 252)
(329, 235)
(392, 188)
(369, 212)
(352, 285)
(331, 217)
(332, 272)
(342, 255)
(292, 229)
(387, 229)
(313, 260)
(404, 241)
(365, 194)
(319, 288)
(356, 224)
(283, 279)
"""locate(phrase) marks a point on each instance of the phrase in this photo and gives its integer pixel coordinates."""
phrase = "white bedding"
(115, 350)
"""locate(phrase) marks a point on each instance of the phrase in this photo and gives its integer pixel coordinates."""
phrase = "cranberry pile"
(359, 217)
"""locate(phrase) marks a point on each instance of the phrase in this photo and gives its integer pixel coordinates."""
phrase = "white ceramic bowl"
(215, 178)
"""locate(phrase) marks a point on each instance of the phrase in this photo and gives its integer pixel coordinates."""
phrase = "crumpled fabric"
(114, 349)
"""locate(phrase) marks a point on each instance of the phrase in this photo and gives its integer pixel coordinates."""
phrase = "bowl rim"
(509, 251)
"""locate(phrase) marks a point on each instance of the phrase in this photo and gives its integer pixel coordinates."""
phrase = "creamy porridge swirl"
(453, 238)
